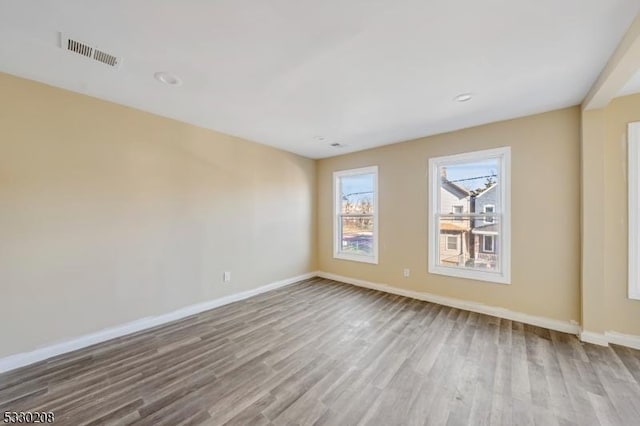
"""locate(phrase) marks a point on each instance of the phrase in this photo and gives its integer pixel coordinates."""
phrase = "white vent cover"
(88, 50)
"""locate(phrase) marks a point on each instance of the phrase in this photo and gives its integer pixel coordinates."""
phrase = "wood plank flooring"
(325, 353)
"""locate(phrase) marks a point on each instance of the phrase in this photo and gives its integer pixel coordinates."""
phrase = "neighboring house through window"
(489, 208)
(356, 214)
(469, 210)
(452, 242)
(458, 210)
(487, 243)
(455, 203)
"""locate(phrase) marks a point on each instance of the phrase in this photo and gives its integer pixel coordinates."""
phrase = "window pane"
(357, 193)
(356, 214)
(470, 185)
(476, 243)
(356, 235)
(467, 201)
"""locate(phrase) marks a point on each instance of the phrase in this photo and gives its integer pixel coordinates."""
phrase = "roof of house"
(457, 190)
(489, 229)
(449, 226)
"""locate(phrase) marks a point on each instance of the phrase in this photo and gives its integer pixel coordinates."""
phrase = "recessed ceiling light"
(168, 78)
(463, 97)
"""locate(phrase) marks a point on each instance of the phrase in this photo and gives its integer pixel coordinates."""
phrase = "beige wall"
(593, 310)
(623, 314)
(109, 214)
(545, 214)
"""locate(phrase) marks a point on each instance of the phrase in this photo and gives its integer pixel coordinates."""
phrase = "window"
(356, 215)
(458, 210)
(634, 208)
(478, 182)
(452, 242)
(489, 208)
(487, 243)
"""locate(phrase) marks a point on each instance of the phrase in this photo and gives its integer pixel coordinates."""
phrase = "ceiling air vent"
(89, 51)
(78, 47)
(105, 58)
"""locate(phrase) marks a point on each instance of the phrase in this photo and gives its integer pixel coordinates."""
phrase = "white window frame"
(337, 214)
(456, 238)
(503, 276)
(484, 208)
(633, 143)
(484, 244)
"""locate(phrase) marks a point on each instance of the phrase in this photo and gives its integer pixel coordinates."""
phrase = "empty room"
(279, 212)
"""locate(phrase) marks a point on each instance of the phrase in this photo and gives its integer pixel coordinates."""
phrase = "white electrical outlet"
(406, 272)
(226, 277)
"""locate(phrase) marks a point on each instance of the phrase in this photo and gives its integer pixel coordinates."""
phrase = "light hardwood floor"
(326, 353)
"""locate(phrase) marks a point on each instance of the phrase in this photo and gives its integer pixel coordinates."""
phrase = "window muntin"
(479, 182)
(355, 222)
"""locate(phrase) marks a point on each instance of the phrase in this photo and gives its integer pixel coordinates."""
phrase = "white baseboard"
(604, 339)
(593, 337)
(12, 362)
(629, 340)
(552, 324)
(572, 327)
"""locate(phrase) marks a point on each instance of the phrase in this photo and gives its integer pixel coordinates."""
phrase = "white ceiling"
(360, 72)
(632, 86)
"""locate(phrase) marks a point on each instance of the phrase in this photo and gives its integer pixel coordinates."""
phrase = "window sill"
(493, 277)
(356, 258)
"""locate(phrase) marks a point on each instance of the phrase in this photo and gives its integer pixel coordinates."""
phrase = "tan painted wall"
(109, 214)
(623, 314)
(545, 214)
(593, 310)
